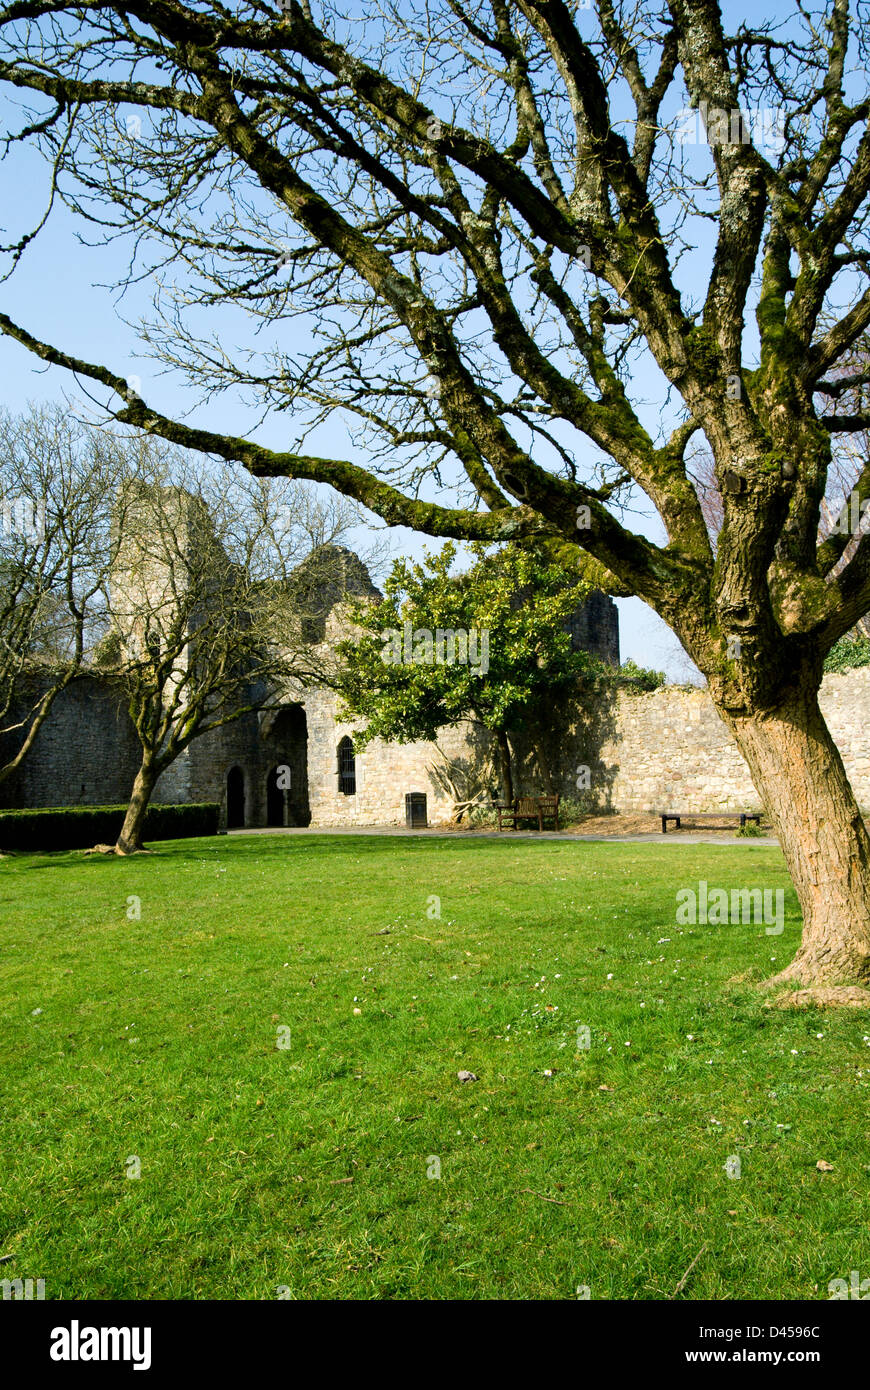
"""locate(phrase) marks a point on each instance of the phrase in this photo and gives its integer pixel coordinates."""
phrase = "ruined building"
(293, 764)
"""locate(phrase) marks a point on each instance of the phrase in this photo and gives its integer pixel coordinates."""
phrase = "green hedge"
(79, 827)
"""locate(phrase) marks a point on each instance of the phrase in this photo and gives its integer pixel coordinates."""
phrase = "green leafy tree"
(851, 651)
(641, 678)
(489, 643)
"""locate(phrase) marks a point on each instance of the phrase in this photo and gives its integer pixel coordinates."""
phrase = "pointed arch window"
(346, 767)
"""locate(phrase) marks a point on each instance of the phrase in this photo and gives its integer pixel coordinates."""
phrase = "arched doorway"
(278, 783)
(285, 739)
(235, 798)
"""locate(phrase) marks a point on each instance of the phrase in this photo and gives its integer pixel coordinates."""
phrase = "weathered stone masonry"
(671, 749)
(665, 750)
(87, 752)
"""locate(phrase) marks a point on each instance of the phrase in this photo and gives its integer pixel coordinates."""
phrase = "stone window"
(346, 767)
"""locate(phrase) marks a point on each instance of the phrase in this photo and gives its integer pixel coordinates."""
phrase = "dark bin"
(415, 810)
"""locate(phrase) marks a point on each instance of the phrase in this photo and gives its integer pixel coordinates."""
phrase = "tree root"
(828, 971)
(821, 997)
(113, 849)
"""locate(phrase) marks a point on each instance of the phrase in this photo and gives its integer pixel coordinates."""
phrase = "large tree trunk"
(798, 772)
(130, 838)
(504, 765)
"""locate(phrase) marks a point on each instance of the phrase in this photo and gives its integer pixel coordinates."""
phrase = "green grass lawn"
(305, 1168)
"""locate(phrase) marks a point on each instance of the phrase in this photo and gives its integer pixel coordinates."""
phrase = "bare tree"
(56, 479)
(478, 226)
(206, 622)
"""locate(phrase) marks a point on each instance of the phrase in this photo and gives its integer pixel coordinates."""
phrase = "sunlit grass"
(303, 1168)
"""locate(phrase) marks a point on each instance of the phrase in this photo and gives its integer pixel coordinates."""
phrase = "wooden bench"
(678, 816)
(539, 808)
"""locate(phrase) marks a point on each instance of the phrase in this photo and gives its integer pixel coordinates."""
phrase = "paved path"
(672, 838)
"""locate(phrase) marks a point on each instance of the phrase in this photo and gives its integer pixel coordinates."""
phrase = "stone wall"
(845, 702)
(666, 750)
(670, 750)
(386, 772)
(460, 765)
(85, 754)
(256, 743)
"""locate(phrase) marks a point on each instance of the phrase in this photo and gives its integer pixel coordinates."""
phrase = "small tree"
(489, 643)
(201, 632)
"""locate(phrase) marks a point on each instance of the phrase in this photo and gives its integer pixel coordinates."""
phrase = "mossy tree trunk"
(798, 771)
(130, 838)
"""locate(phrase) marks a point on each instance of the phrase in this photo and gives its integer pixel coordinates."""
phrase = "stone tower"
(594, 628)
(164, 542)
